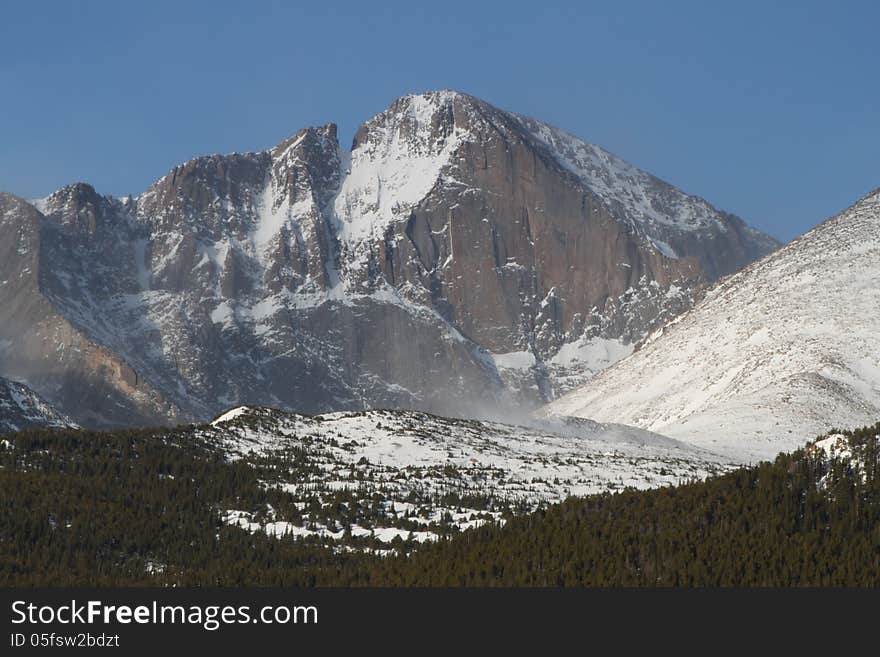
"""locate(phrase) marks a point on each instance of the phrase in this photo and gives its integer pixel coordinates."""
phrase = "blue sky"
(768, 110)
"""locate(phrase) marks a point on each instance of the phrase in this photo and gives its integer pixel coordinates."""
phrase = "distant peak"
(73, 198)
(425, 103)
(440, 96)
(81, 190)
(328, 131)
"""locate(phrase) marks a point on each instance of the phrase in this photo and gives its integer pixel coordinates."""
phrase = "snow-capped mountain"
(787, 348)
(423, 468)
(22, 408)
(458, 257)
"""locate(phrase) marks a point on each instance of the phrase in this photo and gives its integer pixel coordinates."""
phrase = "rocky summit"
(458, 258)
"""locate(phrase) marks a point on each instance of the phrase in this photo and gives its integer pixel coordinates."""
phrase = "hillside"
(783, 349)
(811, 518)
(151, 507)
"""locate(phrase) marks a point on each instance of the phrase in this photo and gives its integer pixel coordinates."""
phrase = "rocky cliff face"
(456, 258)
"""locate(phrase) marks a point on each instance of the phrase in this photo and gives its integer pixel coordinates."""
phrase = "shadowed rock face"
(54, 271)
(458, 258)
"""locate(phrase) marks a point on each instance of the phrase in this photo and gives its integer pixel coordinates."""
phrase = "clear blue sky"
(770, 110)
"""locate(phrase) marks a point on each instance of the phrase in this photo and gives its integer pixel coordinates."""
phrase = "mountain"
(457, 258)
(22, 408)
(789, 347)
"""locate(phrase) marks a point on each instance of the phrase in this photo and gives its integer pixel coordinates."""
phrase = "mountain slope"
(22, 408)
(788, 347)
(809, 518)
(184, 507)
(366, 481)
(458, 259)
(505, 461)
(432, 474)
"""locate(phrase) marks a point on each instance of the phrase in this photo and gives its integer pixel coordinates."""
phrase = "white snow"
(587, 456)
(41, 204)
(596, 353)
(398, 454)
(771, 357)
(272, 216)
(394, 168)
(230, 415)
(281, 528)
(834, 446)
(516, 360)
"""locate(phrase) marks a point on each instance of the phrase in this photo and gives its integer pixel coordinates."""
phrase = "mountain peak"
(457, 232)
(436, 98)
(78, 193)
(328, 131)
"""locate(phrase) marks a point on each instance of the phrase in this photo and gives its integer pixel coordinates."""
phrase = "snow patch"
(228, 416)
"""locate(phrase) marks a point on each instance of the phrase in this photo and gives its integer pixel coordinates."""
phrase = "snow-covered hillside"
(22, 408)
(425, 468)
(787, 348)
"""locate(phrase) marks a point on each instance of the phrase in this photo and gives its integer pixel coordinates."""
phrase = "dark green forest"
(144, 508)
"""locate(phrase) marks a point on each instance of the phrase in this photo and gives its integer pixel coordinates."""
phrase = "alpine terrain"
(429, 474)
(264, 498)
(22, 408)
(457, 257)
(787, 348)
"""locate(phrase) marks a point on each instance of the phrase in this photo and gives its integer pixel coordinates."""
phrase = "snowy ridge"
(645, 202)
(22, 408)
(590, 457)
(406, 455)
(787, 348)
